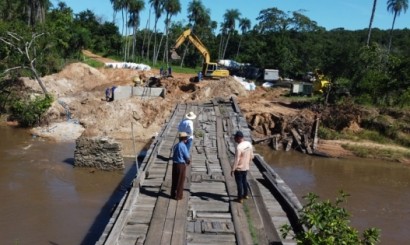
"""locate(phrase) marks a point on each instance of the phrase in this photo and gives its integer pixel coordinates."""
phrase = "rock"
(98, 152)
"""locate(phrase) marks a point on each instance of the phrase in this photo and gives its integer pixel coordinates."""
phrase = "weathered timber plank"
(196, 238)
(154, 235)
(268, 227)
(218, 215)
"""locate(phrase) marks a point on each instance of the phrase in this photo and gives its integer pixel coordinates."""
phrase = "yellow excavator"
(320, 83)
(209, 69)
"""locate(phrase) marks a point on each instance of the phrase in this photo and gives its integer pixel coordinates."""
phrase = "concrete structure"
(126, 92)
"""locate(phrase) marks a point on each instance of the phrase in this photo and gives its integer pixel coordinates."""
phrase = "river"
(379, 190)
(45, 200)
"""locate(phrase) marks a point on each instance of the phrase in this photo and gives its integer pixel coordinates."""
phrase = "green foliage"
(29, 112)
(328, 134)
(328, 223)
(93, 63)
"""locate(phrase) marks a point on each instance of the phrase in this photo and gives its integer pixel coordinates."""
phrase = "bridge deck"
(208, 213)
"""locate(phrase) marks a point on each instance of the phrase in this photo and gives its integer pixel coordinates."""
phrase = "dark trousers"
(178, 180)
(241, 183)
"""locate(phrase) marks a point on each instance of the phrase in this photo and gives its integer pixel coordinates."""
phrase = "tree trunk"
(391, 31)
(226, 45)
(371, 22)
(239, 46)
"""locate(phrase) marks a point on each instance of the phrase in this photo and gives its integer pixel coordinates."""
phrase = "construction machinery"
(320, 83)
(209, 69)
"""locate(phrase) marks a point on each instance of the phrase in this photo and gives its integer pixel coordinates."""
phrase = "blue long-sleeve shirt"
(181, 154)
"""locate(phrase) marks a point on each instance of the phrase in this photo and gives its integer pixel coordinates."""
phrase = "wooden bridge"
(208, 213)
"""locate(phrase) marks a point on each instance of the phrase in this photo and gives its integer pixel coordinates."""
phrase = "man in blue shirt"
(181, 159)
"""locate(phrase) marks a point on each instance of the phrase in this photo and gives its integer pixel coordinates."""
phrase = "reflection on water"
(45, 200)
(380, 191)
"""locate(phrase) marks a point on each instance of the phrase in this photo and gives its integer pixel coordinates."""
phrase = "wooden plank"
(298, 139)
(193, 238)
(306, 144)
(218, 227)
(269, 232)
(316, 130)
(289, 144)
(157, 224)
(179, 232)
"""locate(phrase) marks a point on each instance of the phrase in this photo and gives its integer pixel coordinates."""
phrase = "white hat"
(190, 115)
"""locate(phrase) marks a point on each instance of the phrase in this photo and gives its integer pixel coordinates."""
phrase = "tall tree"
(158, 6)
(244, 25)
(272, 20)
(199, 18)
(230, 18)
(396, 7)
(135, 7)
(171, 7)
(120, 5)
(371, 22)
(26, 51)
(36, 11)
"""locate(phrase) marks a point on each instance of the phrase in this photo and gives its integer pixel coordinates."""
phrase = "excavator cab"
(213, 70)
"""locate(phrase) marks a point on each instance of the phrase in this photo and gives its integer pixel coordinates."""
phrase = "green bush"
(328, 223)
(28, 112)
(328, 134)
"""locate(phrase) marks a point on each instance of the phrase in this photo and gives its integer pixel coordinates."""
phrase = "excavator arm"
(195, 41)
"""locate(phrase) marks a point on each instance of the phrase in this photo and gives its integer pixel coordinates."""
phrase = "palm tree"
(121, 5)
(171, 7)
(396, 7)
(158, 6)
(245, 25)
(135, 7)
(371, 22)
(230, 18)
(198, 16)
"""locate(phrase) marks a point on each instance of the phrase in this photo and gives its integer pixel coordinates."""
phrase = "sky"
(330, 14)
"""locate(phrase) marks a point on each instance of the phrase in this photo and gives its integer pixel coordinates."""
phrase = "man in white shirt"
(240, 167)
(187, 126)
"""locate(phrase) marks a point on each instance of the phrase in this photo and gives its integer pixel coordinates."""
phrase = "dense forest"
(38, 38)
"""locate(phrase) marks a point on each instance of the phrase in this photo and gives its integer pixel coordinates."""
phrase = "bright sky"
(349, 14)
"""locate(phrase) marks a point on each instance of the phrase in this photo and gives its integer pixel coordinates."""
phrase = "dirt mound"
(80, 99)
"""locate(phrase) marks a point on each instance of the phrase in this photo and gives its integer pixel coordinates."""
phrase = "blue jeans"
(241, 183)
(189, 144)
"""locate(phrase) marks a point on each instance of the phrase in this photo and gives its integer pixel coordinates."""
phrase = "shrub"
(28, 112)
(327, 223)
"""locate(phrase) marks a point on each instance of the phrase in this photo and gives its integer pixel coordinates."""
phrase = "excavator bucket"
(174, 55)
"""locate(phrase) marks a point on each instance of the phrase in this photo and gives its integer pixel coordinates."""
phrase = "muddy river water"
(45, 200)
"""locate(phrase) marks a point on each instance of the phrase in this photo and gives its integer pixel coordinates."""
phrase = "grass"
(252, 228)
(92, 62)
(377, 152)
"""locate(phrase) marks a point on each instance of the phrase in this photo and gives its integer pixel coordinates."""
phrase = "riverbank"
(80, 108)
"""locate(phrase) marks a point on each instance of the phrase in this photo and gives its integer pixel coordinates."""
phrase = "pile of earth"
(80, 106)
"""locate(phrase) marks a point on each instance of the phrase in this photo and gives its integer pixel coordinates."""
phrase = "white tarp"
(248, 85)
